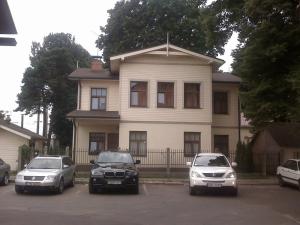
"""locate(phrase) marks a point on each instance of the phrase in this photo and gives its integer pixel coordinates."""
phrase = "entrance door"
(112, 141)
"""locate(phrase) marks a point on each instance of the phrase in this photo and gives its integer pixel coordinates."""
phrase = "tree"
(46, 85)
(267, 58)
(138, 24)
(4, 116)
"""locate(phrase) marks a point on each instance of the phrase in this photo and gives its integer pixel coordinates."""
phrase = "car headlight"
(97, 173)
(50, 177)
(19, 177)
(231, 175)
(131, 173)
(195, 174)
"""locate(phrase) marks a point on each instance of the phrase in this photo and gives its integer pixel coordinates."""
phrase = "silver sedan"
(46, 173)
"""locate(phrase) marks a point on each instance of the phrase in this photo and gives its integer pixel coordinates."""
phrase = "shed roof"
(222, 77)
(13, 128)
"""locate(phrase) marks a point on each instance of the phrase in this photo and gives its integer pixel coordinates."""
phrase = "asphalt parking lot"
(156, 204)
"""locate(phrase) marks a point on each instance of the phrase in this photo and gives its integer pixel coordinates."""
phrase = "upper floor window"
(192, 95)
(220, 102)
(138, 93)
(192, 143)
(98, 98)
(165, 94)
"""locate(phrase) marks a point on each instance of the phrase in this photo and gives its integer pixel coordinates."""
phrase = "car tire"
(19, 190)
(135, 189)
(280, 181)
(192, 190)
(91, 189)
(5, 179)
(72, 184)
(61, 186)
(234, 192)
(299, 185)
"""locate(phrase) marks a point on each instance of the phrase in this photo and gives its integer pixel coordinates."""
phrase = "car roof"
(51, 156)
(297, 160)
(210, 153)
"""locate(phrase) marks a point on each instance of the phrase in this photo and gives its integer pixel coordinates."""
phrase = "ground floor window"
(138, 143)
(97, 143)
(221, 144)
(192, 143)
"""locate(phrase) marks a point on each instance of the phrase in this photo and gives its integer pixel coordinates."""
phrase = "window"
(98, 98)
(191, 143)
(165, 95)
(291, 164)
(191, 95)
(221, 144)
(138, 94)
(220, 102)
(97, 143)
(138, 143)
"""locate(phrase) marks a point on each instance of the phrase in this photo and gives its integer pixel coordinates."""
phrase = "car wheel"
(19, 190)
(299, 185)
(91, 189)
(192, 190)
(280, 181)
(135, 189)
(5, 179)
(61, 186)
(72, 184)
(234, 192)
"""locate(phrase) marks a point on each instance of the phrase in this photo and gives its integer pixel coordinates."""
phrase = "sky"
(35, 19)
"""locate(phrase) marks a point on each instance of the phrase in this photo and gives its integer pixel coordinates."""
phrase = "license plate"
(114, 182)
(32, 183)
(214, 185)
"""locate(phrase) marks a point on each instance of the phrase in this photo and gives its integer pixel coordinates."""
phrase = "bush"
(244, 157)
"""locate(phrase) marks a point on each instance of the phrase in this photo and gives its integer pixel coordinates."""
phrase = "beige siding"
(171, 73)
(9, 146)
(232, 135)
(162, 136)
(112, 93)
(230, 119)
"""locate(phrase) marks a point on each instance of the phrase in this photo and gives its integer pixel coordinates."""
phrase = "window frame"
(227, 143)
(98, 97)
(221, 110)
(138, 91)
(166, 93)
(193, 152)
(187, 91)
(139, 151)
(98, 150)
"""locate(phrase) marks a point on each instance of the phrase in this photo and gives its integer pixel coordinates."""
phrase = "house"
(7, 25)
(12, 137)
(275, 144)
(159, 98)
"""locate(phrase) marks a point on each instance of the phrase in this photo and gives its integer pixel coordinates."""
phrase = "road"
(156, 204)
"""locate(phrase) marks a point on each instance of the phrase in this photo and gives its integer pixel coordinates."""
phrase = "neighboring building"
(12, 137)
(275, 144)
(7, 25)
(153, 99)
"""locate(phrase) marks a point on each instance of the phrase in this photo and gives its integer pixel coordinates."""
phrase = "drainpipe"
(239, 119)
(74, 139)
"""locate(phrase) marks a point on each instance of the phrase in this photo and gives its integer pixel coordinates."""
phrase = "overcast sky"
(35, 19)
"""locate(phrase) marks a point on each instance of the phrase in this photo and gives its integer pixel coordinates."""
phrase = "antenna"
(167, 43)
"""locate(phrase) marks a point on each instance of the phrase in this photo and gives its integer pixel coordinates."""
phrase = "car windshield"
(45, 164)
(115, 157)
(211, 160)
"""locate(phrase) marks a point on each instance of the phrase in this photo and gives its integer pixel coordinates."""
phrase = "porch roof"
(94, 114)
(222, 77)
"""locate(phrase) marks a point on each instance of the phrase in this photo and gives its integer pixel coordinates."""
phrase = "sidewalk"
(178, 181)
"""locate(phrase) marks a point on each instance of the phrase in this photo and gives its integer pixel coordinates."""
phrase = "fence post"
(67, 151)
(168, 162)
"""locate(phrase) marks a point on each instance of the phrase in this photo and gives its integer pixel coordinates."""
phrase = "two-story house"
(156, 98)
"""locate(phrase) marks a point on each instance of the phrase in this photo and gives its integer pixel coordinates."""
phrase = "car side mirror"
(92, 161)
(234, 164)
(66, 166)
(189, 163)
(137, 161)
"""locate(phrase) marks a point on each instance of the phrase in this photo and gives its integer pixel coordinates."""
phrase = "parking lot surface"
(156, 204)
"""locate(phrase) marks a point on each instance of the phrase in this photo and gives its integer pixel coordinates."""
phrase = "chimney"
(96, 65)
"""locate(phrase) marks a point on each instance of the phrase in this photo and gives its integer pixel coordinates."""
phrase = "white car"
(289, 172)
(212, 170)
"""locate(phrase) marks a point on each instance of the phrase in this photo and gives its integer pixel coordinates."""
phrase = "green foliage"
(244, 157)
(26, 153)
(267, 58)
(46, 85)
(138, 24)
(4, 116)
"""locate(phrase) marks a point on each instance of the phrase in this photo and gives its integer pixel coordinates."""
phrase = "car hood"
(212, 169)
(38, 172)
(114, 166)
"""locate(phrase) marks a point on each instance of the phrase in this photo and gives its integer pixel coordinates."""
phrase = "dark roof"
(285, 134)
(87, 73)
(94, 114)
(7, 25)
(20, 130)
(220, 77)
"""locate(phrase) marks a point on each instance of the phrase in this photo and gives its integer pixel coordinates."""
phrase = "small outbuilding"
(12, 137)
(275, 144)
